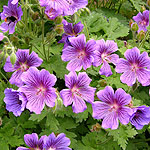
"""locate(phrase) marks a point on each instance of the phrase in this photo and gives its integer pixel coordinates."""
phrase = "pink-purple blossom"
(1, 36)
(38, 89)
(79, 90)
(15, 101)
(142, 19)
(104, 56)
(134, 67)
(140, 116)
(33, 142)
(14, 2)
(11, 15)
(112, 107)
(23, 63)
(80, 54)
(59, 142)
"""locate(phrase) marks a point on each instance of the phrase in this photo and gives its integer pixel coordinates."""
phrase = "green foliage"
(122, 135)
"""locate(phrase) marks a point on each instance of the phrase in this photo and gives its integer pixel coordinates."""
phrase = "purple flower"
(1, 36)
(74, 6)
(103, 55)
(112, 107)
(61, 142)
(140, 116)
(70, 31)
(15, 101)
(134, 67)
(32, 141)
(142, 20)
(80, 54)
(79, 90)
(38, 89)
(23, 63)
(11, 15)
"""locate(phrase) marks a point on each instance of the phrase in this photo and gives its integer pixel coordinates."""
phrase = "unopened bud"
(134, 26)
(1, 36)
(59, 28)
(35, 16)
(13, 58)
(130, 22)
(141, 35)
(6, 55)
(102, 83)
(96, 127)
(2, 55)
(143, 8)
(58, 20)
(148, 2)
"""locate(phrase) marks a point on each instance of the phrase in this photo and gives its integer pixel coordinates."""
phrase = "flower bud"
(102, 83)
(134, 26)
(6, 55)
(143, 8)
(58, 104)
(1, 36)
(35, 16)
(59, 28)
(2, 55)
(58, 20)
(148, 2)
(96, 127)
(141, 35)
(13, 58)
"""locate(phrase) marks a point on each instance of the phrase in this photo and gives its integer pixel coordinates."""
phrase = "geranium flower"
(11, 15)
(38, 89)
(79, 90)
(112, 108)
(103, 55)
(142, 20)
(52, 13)
(80, 54)
(15, 101)
(140, 116)
(59, 142)
(135, 67)
(33, 142)
(70, 31)
(23, 63)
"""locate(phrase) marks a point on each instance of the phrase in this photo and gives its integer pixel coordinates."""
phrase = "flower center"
(114, 107)
(10, 19)
(24, 67)
(104, 56)
(81, 54)
(75, 90)
(134, 67)
(41, 91)
(143, 23)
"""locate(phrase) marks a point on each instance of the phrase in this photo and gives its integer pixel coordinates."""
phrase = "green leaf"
(3, 145)
(137, 4)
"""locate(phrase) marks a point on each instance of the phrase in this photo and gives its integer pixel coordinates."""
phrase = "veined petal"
(100, 109)
(143, 75)
(132, 55)
(106, 95)
(67, 97)
(110, 121)
(78, 105)
(122, 66)
(128, 77)
(124, 114)
(90, 46)
(144, 60)
(78, 42)
(31, 140)
(111, 46)
(8, 67)
(71, 79)
(105, 69)
(113, 58)
(78, 27)
(122, 98)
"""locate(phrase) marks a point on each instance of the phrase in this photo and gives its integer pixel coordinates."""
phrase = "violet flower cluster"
(62, 7)
(51, 142)
(11, 15)
(35, 87)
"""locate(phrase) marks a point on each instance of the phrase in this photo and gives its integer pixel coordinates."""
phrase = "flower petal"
(71, 79)
(8, 67)
(106, 95)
